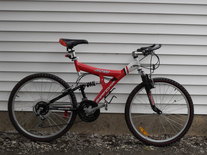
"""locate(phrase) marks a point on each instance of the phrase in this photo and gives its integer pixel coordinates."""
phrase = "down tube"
(108, 87)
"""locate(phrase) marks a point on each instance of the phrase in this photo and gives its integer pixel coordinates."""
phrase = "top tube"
(97, 71)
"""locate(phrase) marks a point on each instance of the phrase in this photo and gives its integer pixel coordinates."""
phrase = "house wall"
(30, 30)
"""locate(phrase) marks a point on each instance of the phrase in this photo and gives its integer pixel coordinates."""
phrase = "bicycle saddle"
(70, 43)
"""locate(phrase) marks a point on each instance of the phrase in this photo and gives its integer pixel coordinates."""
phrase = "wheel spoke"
(31, 112)
(159, 129)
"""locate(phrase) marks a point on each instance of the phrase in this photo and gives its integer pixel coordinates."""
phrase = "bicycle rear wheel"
(162, 129)
(30, 113)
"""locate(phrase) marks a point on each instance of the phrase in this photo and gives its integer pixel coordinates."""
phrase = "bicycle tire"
(142, 129)
(16, 111)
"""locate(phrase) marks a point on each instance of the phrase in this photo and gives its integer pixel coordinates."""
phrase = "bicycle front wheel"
(30, 112)
(171, 124)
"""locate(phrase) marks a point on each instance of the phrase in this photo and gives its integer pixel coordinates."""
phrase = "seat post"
(71, 54)
(70, 50)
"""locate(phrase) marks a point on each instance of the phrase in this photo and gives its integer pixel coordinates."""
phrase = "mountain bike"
(158, 111)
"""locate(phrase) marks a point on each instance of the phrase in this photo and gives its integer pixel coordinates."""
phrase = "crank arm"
(91, 111)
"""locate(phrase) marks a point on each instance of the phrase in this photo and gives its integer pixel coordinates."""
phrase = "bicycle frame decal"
(116, 75)
(131, 67)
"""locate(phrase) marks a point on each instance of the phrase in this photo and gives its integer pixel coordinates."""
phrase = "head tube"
(132, 66)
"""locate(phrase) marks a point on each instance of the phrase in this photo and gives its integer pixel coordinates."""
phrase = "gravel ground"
(72, 143)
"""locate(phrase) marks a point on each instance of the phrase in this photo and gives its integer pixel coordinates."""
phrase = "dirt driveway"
(76, 144)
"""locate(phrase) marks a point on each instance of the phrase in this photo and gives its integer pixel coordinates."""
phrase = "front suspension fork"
(149, 84)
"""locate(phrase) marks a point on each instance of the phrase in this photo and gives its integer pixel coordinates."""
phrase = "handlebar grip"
(157, 46)
(147, 50)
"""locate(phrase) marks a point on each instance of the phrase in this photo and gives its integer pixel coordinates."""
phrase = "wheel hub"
(41, 108)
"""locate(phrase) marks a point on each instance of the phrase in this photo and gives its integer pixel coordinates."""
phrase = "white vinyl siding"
(30, 30)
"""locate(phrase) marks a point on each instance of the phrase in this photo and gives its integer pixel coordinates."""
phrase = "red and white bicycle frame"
(116, 75)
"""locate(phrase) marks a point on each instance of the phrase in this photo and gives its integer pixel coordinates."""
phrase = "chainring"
(83, 114)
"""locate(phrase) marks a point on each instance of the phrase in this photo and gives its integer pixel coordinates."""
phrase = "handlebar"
(146, 50)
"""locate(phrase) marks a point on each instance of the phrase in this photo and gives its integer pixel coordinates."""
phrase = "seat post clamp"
(70, 50)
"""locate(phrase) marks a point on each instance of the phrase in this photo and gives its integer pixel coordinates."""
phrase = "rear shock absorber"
(90, 84)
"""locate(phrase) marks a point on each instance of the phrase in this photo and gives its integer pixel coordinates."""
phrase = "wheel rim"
(31, 97)
(159, 128)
